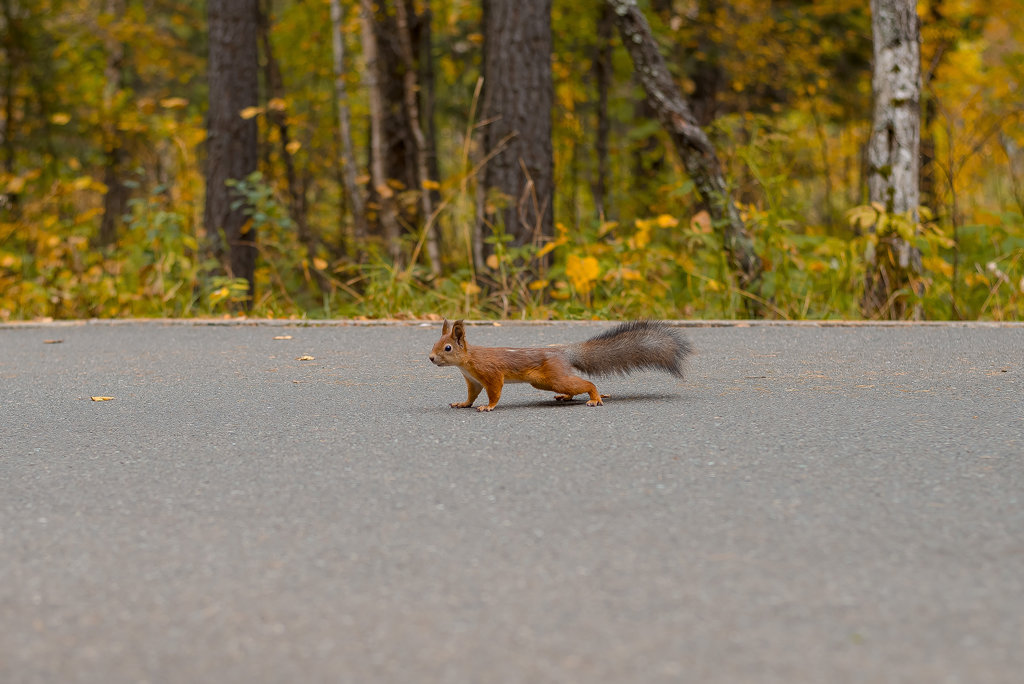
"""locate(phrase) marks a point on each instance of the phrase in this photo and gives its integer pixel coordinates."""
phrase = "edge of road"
(392, 322)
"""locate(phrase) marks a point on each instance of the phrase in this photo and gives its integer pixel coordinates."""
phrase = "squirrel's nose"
(431, 357)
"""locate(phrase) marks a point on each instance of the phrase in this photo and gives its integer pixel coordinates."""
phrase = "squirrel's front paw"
(595, 402)
(460, 404)
(484, 408)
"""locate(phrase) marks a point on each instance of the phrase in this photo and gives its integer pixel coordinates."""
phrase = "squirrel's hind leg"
(571, 385)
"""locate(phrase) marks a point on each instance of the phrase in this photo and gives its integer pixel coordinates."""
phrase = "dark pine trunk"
(603, 72)
(232, 140)
(517, 100)
(115, 201)
(399, 146)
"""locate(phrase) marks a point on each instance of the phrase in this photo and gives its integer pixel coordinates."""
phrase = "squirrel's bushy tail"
(633, 346)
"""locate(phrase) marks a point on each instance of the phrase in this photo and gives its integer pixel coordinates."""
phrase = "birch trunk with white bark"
(894, 265)
(348, 155)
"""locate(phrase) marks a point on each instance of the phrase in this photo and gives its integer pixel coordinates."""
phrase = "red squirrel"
(627, 347)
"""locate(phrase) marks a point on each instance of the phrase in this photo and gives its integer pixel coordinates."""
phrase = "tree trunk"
(603, 72)
(387, 212)
(348, 155)
(115, 200)
(411, 90)
(232, 140)
(691, 143)
(10, 63)
(276, 112)
(708, 76)
(399, 146)
(893, 270)
(276, 117)
(428, 94)
(518, 95)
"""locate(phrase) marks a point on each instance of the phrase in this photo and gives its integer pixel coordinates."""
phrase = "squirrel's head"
(450, 349)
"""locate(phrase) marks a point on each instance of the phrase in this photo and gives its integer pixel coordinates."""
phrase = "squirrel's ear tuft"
(446, 327)
(459, 332)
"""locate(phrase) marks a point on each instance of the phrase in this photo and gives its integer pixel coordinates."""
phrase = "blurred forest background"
(368, 145)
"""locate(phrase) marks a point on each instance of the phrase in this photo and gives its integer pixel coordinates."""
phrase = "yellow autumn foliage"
(582, 272)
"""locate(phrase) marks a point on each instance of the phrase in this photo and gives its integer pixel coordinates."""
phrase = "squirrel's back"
(633, 346)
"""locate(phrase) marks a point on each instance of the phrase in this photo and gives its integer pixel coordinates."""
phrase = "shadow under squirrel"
(628, 347)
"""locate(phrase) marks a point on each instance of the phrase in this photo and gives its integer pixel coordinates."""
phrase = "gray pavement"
(811, 504)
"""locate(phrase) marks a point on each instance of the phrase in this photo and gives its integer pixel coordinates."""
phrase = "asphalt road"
(811, 504)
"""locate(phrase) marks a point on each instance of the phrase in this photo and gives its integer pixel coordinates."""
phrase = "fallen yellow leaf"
(102, 398)
(282, 337)
(307, 357)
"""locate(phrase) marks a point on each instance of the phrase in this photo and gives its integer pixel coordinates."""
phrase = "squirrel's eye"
(447, 347)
